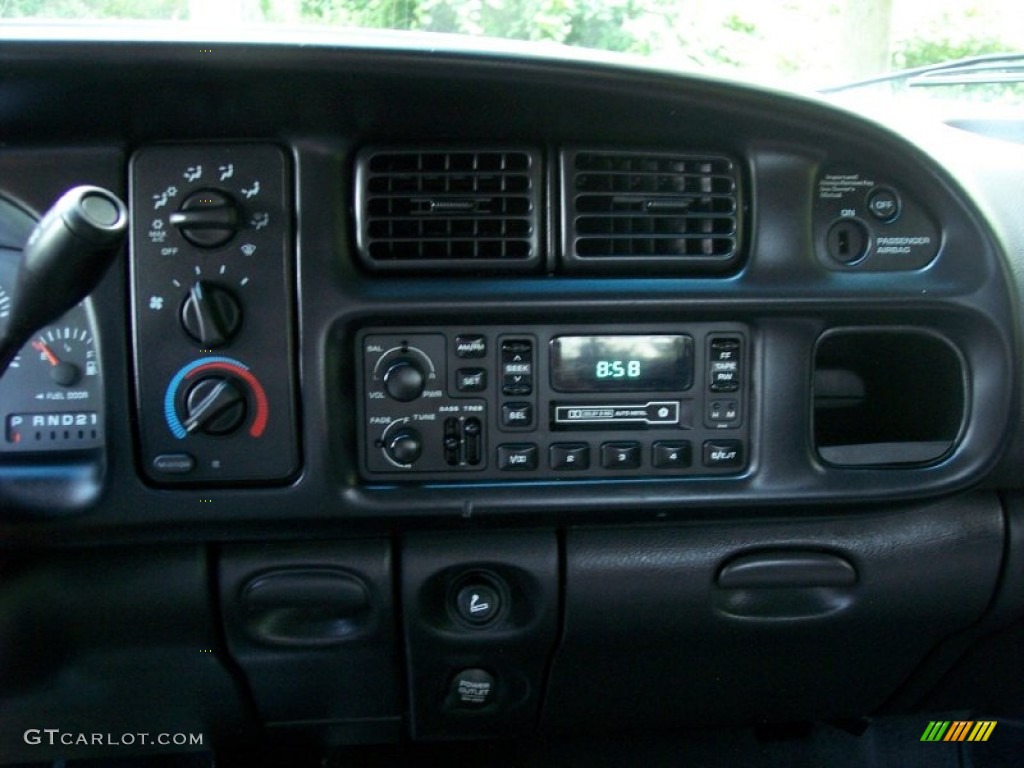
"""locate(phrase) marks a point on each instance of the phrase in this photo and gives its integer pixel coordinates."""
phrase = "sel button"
(517, 415)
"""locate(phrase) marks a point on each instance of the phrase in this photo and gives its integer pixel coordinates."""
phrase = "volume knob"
(404, 380)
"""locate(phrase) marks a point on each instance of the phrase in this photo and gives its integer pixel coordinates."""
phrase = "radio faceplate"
(554, 402)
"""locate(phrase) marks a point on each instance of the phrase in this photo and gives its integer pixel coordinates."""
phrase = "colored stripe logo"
(958, 730)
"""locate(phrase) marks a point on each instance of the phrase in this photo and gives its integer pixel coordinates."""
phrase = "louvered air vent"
(649, 211)
(448, 209)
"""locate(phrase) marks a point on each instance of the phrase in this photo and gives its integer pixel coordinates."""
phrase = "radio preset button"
(470, 346)
(723, 454)
(672, 454)
(517, 456)
(471, 380)
(569, 456)
(621, 455)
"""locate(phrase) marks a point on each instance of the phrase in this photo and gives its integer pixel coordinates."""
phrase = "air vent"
(452, 209)
(651, 212)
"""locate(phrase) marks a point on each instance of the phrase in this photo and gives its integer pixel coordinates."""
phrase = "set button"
(471, 380)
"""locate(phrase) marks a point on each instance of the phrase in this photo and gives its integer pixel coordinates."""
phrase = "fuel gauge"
(51, 396)
(67, 356)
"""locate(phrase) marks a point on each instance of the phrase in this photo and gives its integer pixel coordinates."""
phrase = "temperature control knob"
(215, 405)
(404, 446)
(211, 314)
(404, 380)
(207, 218)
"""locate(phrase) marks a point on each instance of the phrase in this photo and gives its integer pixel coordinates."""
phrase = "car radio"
(554, 402)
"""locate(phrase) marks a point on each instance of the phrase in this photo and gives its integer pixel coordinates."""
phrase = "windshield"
(804, 44)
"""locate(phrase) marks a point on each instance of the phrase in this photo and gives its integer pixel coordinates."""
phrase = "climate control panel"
(212, 300)
(550, 402)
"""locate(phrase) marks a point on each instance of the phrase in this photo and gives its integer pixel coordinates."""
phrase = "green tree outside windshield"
(770, 40)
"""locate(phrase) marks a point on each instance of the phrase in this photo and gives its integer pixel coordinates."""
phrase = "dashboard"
(443, 395)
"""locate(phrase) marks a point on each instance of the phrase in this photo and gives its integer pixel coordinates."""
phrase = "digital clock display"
(633, 363)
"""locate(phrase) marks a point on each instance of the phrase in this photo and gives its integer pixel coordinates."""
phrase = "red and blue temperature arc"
(222, 365)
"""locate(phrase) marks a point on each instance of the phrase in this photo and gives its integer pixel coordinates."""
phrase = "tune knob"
(211, 314)
(207, 218)
(215, 405)
(404, 380)
(404, 446)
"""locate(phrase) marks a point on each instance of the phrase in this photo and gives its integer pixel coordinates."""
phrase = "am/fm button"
(468, 346)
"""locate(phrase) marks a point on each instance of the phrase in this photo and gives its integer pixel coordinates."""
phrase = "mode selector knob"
(208, 218)
(404, 446)
(404, 380)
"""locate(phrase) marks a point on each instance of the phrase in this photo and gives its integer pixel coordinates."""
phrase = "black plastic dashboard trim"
(782, 292)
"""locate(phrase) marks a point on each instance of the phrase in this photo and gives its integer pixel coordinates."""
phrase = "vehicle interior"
(479, 405)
